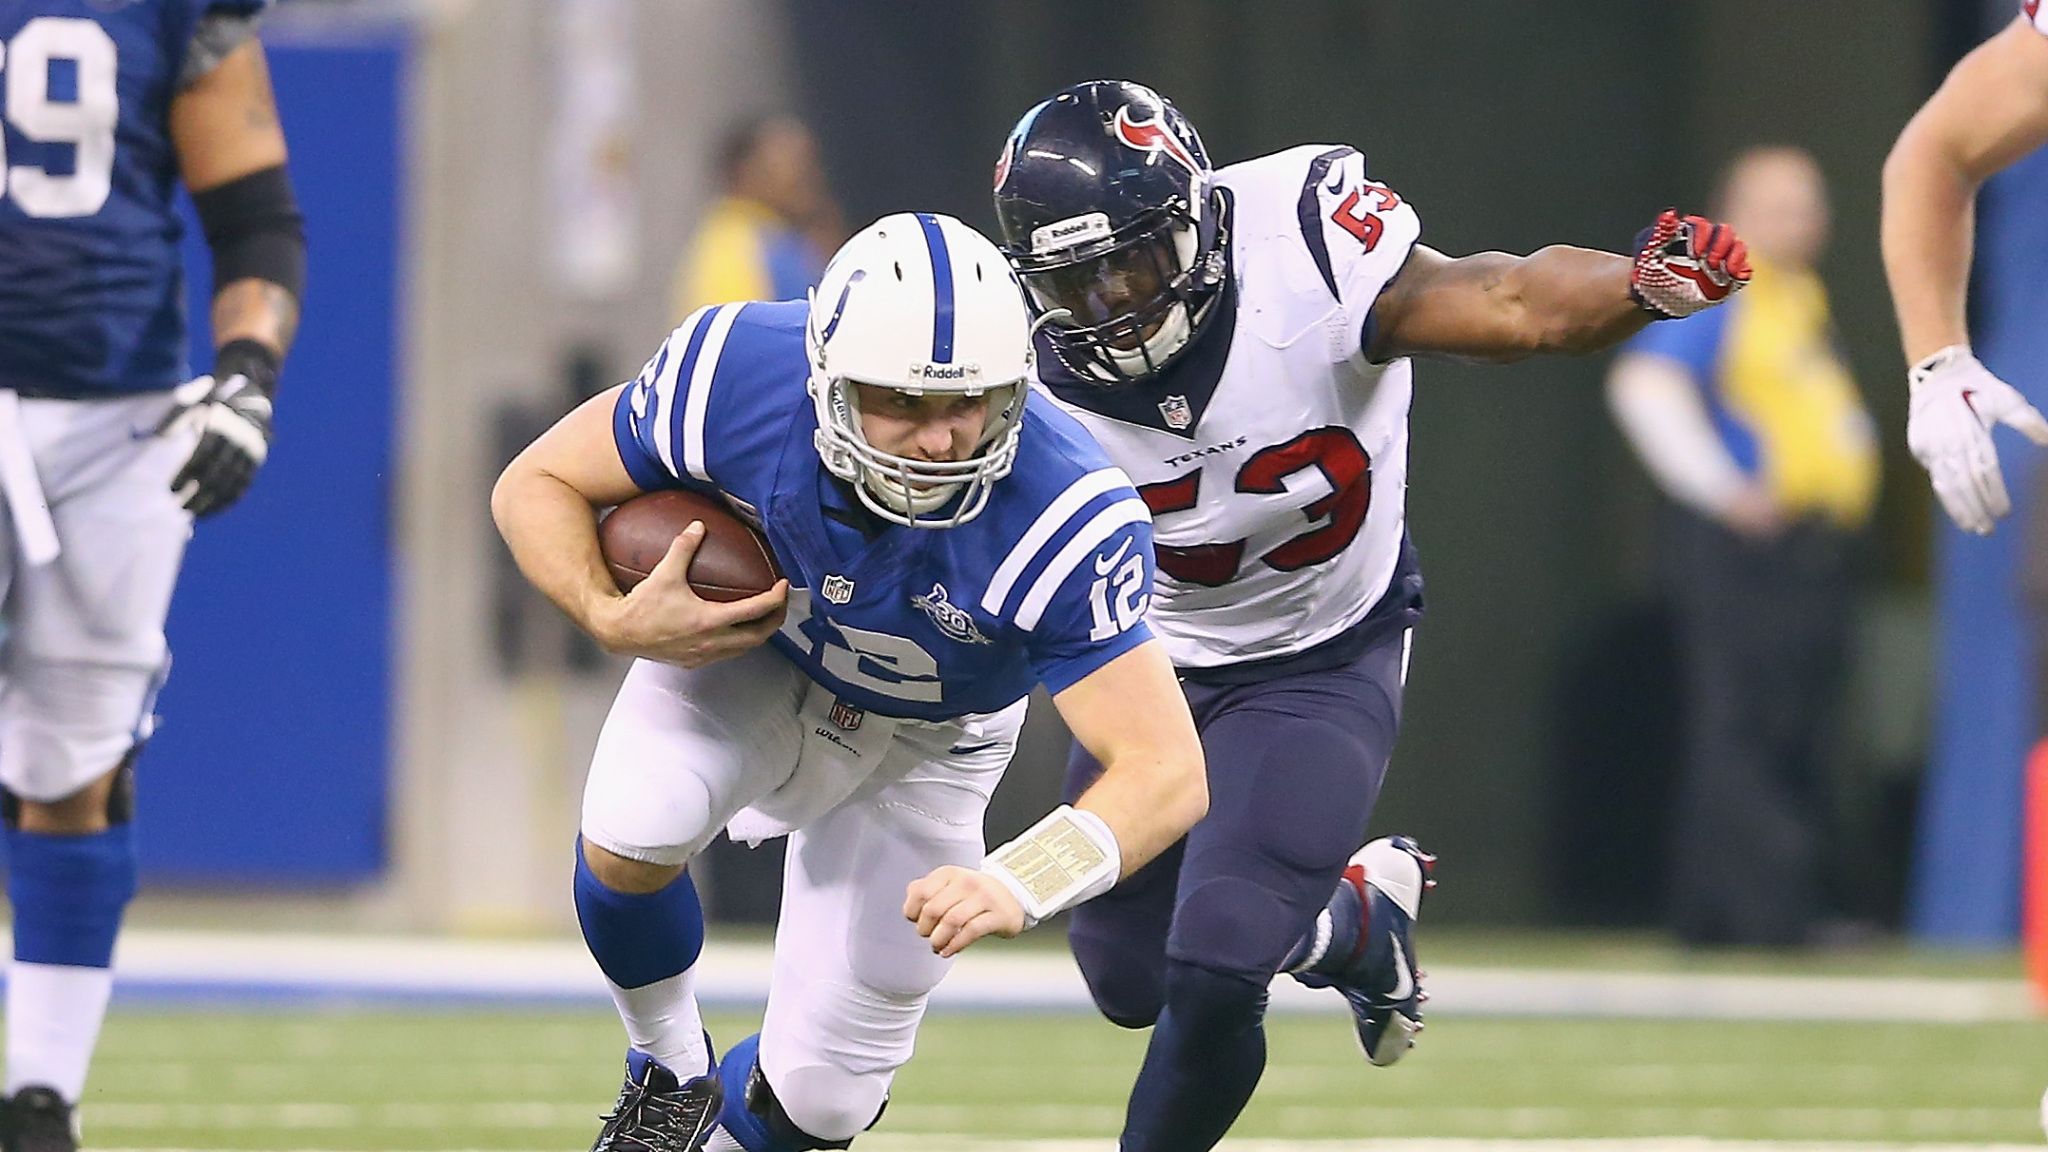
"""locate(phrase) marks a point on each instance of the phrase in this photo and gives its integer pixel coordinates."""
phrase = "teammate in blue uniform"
(109, 448)
(949, 540)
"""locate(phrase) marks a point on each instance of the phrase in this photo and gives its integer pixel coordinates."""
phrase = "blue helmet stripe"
(942, 289)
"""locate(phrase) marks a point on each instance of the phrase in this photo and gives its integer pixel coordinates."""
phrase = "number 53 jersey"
(1272, 454)
(92, 298)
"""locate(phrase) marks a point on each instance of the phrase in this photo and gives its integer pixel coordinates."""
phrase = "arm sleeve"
(1359, 232)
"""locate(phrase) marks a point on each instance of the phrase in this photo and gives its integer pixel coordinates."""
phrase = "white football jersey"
(1274, 458)
(2036, 13)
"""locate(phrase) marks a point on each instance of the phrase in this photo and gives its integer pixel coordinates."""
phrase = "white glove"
(1956, 401)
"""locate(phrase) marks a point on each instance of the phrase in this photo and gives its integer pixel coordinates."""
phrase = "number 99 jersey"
(1272, 455)
(92, 299)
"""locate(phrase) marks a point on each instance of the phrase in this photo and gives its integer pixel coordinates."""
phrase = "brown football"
(732, 563)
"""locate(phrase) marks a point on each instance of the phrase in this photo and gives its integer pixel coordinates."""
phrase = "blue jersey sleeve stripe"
(1055, 517)
(666, 379)
(942, 289)
(1104, 524)
(701, 374)
(645, 471)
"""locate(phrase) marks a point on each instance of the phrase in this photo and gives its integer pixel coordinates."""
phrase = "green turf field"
(431, 1080)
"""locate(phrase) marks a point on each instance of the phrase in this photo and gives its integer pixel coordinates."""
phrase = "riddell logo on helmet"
(919, 372)
(1072, 231)
(1153, 136)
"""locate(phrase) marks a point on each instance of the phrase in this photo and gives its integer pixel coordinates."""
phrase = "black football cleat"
(657, 1113)
(37, 1119)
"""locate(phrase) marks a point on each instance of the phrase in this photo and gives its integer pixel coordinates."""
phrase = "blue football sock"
(69, 893)
(639, 938)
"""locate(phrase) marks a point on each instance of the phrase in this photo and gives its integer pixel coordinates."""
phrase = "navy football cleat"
(657, 1113)
(1372, 919)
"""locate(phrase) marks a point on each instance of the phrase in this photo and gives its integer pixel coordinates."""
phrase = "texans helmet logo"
(1154, 136)
(1003, 162)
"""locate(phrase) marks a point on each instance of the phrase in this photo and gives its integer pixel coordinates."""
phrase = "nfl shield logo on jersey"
(846, 716)
(837, 589)
(1177, 413)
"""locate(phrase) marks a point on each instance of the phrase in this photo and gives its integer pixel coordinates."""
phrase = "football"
(732, 563)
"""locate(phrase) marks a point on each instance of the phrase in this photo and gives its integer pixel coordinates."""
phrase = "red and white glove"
(1685, 264)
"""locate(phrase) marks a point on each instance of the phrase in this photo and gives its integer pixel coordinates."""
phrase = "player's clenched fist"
(1684, 264)
(954, 906)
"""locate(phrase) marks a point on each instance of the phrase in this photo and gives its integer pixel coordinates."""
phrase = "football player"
(109, 448)
(1992, 110)
(1239, 341)
(949, 539)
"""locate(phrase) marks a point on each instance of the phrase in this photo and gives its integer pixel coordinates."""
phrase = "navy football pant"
(1190, 941)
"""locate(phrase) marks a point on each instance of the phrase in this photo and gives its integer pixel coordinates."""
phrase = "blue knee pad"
(638, 939)
(1205, 1001)
(69, 893)
(1231, 924)
(753, 1116)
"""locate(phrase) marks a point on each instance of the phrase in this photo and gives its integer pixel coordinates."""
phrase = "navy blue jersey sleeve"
(713, 404)
(1694, 342)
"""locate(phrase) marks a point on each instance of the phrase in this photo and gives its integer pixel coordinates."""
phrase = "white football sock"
(662, 1020)
(54, 1012)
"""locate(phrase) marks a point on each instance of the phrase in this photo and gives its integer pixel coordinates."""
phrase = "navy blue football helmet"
(1109, 216)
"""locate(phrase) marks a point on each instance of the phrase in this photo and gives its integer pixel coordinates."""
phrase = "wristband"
(1068, 857)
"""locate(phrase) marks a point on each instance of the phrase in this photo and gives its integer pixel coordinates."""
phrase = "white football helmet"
(920, 303)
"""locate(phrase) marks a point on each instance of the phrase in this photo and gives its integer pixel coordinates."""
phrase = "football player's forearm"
(1149, 799)
(1929, 223)
(254, 309)
(1573, 301)
(552, 533)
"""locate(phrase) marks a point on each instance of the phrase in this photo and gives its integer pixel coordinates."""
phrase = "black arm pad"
(254, 229)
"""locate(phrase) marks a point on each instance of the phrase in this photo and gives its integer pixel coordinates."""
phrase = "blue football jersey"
(1047, 584)
(91, 292)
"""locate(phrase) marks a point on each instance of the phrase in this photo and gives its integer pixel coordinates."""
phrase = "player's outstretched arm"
(231, 155)
(1499, 307)
(545, 504)
(1130, 715)
(1992, 110)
